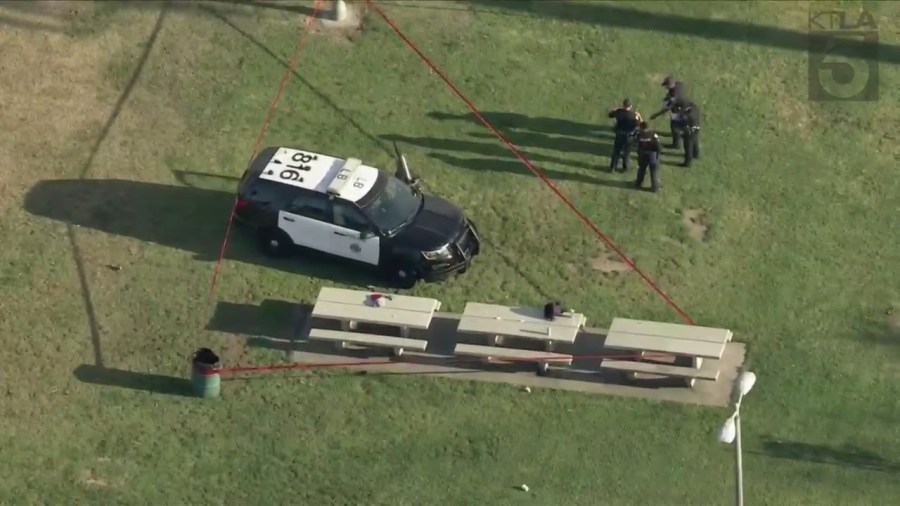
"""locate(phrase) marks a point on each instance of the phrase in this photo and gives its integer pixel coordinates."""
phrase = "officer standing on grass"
(690, 113)
(676, 91)
(649, 150)
(627, 121)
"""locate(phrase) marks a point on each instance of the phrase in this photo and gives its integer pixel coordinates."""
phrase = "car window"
(348, 216)
(266, 193)
(394, 206)
(311, 206)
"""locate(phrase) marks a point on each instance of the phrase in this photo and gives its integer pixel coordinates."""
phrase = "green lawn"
(104, 168)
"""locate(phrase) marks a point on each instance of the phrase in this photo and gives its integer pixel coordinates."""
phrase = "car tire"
(275, 243)
(402, 275)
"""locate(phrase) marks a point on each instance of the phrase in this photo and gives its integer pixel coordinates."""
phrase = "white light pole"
(340, 10)
(731, 432)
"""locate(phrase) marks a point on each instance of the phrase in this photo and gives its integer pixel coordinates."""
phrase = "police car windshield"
(394, 207)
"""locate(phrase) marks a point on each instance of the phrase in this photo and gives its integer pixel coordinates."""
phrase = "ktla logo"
(843, 52)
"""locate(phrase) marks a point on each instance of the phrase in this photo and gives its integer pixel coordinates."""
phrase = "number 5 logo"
(834, 76)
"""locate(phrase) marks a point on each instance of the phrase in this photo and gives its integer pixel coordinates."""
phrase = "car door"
(354, 236)
(307, 220)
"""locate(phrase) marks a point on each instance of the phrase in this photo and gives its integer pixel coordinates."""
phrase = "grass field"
(126, 124)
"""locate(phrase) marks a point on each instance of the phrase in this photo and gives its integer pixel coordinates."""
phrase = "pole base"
(341, 16)
(340, 11)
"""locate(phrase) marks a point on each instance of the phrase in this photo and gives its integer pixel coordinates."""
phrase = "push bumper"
(466, 247)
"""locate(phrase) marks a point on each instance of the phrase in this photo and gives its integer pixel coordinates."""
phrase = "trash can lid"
(206, 356)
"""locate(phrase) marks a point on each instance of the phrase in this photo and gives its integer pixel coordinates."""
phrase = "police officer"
(627, 120)
(690, 113)
(648, 156)
(676, 91)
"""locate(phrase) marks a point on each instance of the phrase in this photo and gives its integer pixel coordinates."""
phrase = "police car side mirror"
(366, 234)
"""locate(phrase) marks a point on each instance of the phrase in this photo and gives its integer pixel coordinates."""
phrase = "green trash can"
(205, 380)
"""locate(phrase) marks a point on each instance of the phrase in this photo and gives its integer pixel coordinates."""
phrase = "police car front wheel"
(275, 243)
(402, 275)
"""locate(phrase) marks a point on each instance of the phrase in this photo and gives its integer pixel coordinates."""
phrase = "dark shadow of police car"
(296, 199)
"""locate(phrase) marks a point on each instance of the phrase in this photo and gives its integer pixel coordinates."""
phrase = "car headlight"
(438, 254)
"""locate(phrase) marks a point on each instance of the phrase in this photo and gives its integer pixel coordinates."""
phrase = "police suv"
(293, 198)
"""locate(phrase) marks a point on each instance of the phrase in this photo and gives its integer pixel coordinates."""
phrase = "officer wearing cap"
(648, 156)
(690, 113)
(627, 121)
(675, 91)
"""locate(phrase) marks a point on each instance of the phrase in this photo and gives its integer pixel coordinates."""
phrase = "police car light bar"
(343, 176)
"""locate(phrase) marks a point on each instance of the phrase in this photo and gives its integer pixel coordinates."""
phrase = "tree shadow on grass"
(514, 122)
(74, 245)
(885, 332)
(517, 167)
(191, 177)
(185, 218)
(848, 456)
(495, 149)
(551, 142)
(506, 161)
(155, 383)
(611, 14)
(552, 134)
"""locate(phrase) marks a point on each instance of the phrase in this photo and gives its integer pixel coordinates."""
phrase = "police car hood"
(438, 223)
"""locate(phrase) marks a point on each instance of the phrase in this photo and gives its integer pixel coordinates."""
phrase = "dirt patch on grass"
(794, 113)
(656, 79)
(695, 222)
(49, 14)
(56, 87)
(90, 478)
(346, 35)
(439, 17)
(55, 81)
(893, 321)
(233, 352)
(610, 263)
(70, 90)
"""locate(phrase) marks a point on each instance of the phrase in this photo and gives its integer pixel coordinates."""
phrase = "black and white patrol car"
(294, 198)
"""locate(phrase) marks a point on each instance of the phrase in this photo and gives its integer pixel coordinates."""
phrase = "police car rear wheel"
(275, 243)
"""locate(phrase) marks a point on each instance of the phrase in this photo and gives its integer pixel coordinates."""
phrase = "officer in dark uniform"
(649, 150)
(690, 129)
(627, 121)
(676, 91)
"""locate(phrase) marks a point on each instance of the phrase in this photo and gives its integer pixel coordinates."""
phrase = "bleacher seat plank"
(512, 354)
(706, 373)
(654, 344)
(340, 336)
(670, 330)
